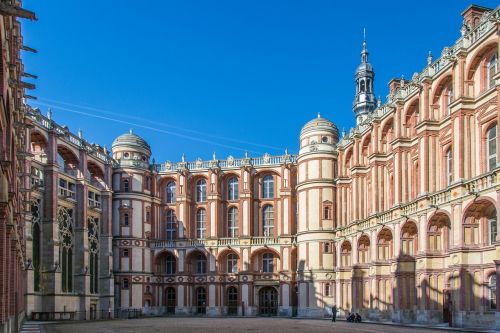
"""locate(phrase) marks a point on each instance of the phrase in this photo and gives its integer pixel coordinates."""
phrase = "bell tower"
(364, 101)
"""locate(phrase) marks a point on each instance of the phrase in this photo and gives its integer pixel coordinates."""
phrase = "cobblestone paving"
(221, 325)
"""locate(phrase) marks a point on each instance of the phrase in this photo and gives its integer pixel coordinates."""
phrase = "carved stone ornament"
(230, 160)
(267, 158)
(199, 162)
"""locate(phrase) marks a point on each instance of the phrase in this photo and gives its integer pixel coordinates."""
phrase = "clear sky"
(196, 77)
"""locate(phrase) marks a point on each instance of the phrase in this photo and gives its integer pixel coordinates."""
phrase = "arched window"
(232, 263)
(268, 187)
(170, 264)
(384, 244)
(171, 192)
(492, 70)
(345, 254)
(93, 244)
(171, 225)
(201, 223)
(201, 264)
(201, 190)
(439, 230)
(492, 291)
(268, 221)
(35, 213)
(232, 189)
(409, 241)
(125, 185)
(491, 147)
(232, 222)
(267, 263)
(363, 249)
(126, 221)
(65, 224)
(449, 167)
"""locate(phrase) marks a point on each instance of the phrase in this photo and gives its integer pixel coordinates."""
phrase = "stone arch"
(479, 56)
(480, 222)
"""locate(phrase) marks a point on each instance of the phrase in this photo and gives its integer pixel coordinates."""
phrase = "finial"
(429, 58)
(49, 114)
(213, 156)
(343, 131)
(105, 149)
(364, 52)
(130, 131)
(246, 154)
(319, 115)
(402, 82)
(80, 133)
(183, 157)
(286, 151)
(379, 101)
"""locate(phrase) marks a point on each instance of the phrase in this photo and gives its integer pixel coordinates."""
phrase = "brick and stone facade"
(14, 170)
(396, 220)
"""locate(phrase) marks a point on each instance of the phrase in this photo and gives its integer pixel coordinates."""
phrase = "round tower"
(132, 214)
(316, 162)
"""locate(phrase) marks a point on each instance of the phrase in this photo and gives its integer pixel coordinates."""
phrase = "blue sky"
(224, 76)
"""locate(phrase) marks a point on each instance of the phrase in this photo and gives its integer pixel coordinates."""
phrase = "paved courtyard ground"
(221, 325)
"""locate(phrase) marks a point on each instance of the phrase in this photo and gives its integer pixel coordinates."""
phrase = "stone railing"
(222, 242)
(230, 162)
(63, 132)
(435, 200)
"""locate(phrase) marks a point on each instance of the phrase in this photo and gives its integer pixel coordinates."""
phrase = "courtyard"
(218, 325)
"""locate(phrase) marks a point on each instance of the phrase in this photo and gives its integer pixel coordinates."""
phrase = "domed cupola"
(364, 101)
(318, 134)
(131, 146)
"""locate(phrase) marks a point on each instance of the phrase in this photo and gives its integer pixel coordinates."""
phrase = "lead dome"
(320, 124)
(130, 145)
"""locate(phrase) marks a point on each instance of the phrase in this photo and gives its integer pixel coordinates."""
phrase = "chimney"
(472, 15)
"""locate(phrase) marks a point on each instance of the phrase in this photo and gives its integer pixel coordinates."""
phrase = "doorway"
(268, 301)
(170, 297)
(201, 301)
(232, 301)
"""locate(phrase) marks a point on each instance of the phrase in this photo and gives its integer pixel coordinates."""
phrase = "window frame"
(268, 262)
(491, 158)
(268, 187)
(201, 190)
(201, 223)
(171, 189)
(268, 221)
(233, 189)
(232, 222)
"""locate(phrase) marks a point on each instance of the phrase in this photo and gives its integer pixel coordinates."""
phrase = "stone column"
(49, 263)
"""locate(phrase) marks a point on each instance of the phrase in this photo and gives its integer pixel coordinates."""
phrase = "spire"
(364, 52)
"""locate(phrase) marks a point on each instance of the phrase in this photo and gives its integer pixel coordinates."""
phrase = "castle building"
(14, 166)
(396, 220)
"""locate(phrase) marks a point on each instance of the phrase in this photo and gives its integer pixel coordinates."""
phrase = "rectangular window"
(327, 289)
(125, 253)
(125, 284)
(493, 226)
